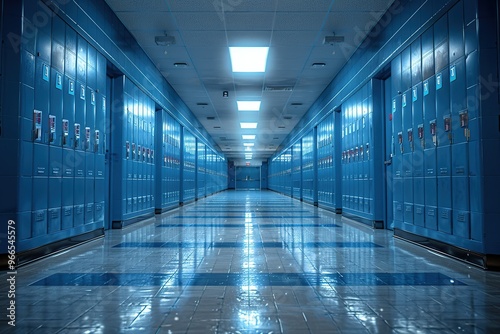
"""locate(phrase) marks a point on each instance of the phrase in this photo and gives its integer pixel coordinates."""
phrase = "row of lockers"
(418, 137)
(63, 124)
(61, 131)
(320, 171)
(184, 166)
(435, 130)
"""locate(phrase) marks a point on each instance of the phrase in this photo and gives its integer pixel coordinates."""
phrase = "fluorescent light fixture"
(248, 105)
(248, 156)
(248, 144)
(248, 137)
(248, 59)
(248, 148)
(248, 125)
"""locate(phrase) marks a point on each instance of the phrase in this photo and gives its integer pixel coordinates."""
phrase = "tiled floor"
(253, 262)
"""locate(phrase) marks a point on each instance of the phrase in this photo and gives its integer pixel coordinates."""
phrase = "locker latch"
(410, 138)
(464, 123)
(420, 133)
(432, 126)
(400, 141)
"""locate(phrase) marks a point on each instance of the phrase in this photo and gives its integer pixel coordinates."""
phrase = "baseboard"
(485, 261)
(119, 224)
(377, 224)
(38, 253)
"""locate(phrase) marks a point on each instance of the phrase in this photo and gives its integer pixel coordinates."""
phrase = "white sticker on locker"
(37, 125)
(45, 74)
(58, 81)
(92, 97)
(453, 73)
(439, 81)
(71, 87)
(96, 137)
(82, 92)
(414, 94)
(426, 88)
(404, 100)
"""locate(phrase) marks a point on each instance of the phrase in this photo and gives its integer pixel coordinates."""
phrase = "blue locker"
(476, 206)
(79, 188)
(71, 42)
(418, 136)
(58, 56)
(398, 192)
(406, 69)
(25, 205)
(159, 167)
(461, 210)
(396, 75)
(441, 57)
(428, 54)
(44, 45)
(458, 91)
(416, 62)
(91, 67)
(81, 74)
(89, 187)
(456, 29)
(471, 42)
(430, 157)
(407, 115)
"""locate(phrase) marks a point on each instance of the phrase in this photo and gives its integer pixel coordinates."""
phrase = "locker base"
(485, 261)
(52, 248)
(159, 211)
(377, 224)
(119, 224)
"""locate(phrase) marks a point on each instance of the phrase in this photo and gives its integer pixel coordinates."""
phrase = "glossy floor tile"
(253, 262)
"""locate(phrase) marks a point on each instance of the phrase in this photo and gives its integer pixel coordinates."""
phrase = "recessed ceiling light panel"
(248, 105)
(248, 125)
(248, 59)
(248, 137)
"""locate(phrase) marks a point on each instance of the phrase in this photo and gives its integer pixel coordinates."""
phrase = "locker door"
(389, 145)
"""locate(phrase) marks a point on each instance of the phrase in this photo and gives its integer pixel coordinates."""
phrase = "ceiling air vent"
(278, 88)
(296, 104)
(333, 39)
(287, 117)
(210, 118)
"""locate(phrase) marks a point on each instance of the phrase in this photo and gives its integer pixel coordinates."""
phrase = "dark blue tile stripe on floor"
(200, 245)
(243, 279)
(246, 245)
(296, 225)
(243, 217)
(253, 211)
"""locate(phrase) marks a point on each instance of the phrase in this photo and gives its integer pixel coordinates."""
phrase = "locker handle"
(388, 162)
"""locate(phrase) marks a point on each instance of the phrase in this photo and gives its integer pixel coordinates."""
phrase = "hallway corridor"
(253, 262)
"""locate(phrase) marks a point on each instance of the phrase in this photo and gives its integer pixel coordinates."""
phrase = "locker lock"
(432, 126)
(400, 141)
